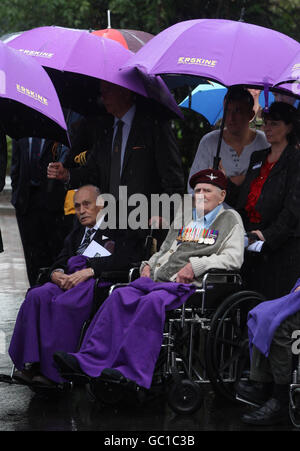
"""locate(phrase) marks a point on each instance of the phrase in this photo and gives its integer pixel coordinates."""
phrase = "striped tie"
(86, 242)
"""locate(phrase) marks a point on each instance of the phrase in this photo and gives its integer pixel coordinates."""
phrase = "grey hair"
(93, 187)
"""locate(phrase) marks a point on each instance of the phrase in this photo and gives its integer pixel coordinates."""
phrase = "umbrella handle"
(216, 163)
(217, 158)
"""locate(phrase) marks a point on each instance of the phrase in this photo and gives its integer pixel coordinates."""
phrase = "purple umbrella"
(29, 102)
(291, 75)
(225, 51)
(77, 59)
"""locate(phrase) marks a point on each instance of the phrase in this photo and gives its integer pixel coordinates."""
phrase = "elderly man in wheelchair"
(52, 314)
(125, 340)
(273, 327)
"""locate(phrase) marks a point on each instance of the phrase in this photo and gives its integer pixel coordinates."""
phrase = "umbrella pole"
(108, 19)
(217, 158)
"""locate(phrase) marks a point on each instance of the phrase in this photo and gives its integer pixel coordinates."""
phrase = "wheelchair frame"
(178, 366)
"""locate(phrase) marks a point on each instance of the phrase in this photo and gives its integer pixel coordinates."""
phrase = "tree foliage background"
(152, 16)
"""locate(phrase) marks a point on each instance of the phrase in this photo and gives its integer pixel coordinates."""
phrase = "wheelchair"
(294, 394)
(205, 341)
(100, 294)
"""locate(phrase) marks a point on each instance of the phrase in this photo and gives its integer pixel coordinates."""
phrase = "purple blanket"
(126, 333)
(264, 319)
(51, 319)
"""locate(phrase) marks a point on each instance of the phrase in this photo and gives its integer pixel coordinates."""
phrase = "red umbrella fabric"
(130, 39)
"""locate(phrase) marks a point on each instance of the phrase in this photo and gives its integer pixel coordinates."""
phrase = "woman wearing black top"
(269, 203)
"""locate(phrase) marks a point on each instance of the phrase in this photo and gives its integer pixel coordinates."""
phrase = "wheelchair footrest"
(9, 380)
(245, 401)
(77, 378)
(114, 377)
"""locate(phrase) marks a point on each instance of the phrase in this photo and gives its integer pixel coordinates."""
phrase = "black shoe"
(69, 367)
(254, 392)
(116, 377)
(112, 374)
(272, 412)
(25, 376)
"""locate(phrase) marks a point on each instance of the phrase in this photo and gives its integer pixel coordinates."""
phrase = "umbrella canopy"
(207, 100)
(291, 74)
(225, 51)
(132, 40)
(29, 105)
(9, 36)
(76, 60)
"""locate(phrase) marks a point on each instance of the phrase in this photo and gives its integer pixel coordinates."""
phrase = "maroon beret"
(212, 176)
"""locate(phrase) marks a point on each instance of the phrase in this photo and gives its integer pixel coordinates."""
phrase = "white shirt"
(233, 163)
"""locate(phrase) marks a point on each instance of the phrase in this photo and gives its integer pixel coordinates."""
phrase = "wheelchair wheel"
(227, 351)
(294, 395)
(184, 397)
(294, 407)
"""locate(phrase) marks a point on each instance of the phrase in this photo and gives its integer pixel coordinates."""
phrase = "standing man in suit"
(39, 211)
(133, 149)
(52, 315)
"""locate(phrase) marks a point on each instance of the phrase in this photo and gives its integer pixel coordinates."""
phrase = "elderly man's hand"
(74, 279)
(259, 234)
(158, 222)
(58, 172)
(186, 274)
(146, 271)
(58, 277)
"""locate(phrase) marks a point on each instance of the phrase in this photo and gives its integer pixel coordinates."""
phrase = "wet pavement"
(23, 410)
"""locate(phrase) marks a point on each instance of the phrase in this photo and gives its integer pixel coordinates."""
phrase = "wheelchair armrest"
(223, 271)
(219, 276)
(115, 276)
(42, 276)
(122, 276)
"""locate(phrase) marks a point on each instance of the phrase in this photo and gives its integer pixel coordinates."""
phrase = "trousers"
(278, 366)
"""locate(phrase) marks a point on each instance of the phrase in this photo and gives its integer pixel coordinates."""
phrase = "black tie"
(115, 164)
(35, 170)
(85, 242)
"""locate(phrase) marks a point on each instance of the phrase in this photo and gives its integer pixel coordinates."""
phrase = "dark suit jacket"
(128, 250)
(3, 159)
(279, 202)
(20, 179)
(84, 134)
(152, 163)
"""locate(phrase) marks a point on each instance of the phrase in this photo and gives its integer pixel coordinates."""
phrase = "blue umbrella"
(207, 100)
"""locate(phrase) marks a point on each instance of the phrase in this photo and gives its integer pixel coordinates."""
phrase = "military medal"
(208, 236)
(197, 235)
